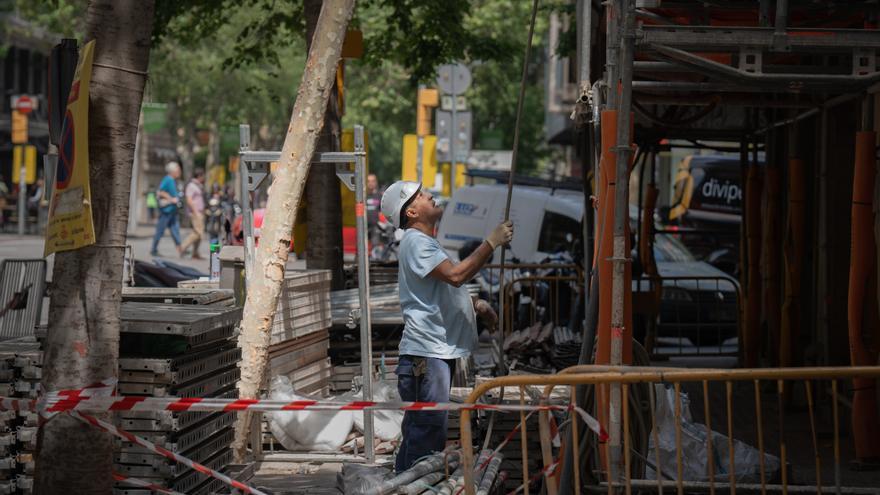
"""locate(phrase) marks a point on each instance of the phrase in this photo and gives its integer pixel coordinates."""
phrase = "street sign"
(460, 103)
(445, 135)
(453, 79)
(19, 127)
(24, 103)
(490, 160)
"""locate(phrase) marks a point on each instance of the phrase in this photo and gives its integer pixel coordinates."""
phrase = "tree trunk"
(82, 344)
(264, 284)
(324, 213)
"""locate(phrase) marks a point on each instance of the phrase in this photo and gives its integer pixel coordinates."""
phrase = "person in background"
(152, 204)
(373, 202)
(169, 201)
(214, 217)
(36, 197)
(195, 206)
(4, 200)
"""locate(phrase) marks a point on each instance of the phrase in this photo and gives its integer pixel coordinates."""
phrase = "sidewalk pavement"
(13, 246)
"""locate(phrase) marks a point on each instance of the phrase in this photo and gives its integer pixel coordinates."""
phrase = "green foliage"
(63, 17)
(191, 75)
(231, 61)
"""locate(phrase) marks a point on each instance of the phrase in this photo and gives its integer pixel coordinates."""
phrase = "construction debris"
(19, 377)
(543, 348)
(181, 350)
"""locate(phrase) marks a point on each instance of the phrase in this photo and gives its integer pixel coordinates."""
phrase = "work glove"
(502, 235)
(486, 313)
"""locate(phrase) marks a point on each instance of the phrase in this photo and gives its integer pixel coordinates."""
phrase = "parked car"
(698, 302)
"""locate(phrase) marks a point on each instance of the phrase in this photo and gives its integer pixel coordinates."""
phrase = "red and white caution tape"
(143, 484)
(129, 437)
(60, 402)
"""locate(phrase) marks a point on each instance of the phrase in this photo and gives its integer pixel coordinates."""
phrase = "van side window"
(554, 228)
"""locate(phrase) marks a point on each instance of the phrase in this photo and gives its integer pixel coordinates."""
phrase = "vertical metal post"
(621, 216)
(584, 37)
(453, 169)
(247, 216)
(363, 267)
(611, 50)
(822, 278)
(22, 192)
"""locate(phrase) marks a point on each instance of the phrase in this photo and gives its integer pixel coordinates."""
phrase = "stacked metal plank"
(304, 305)
(300, 340)
(20, 374)
(180, 351)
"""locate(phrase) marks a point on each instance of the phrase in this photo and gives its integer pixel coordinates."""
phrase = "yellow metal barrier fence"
(798, 400)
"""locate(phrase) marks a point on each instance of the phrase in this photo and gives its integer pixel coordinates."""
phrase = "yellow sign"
(29, 155)
(70, 223)
(429, 159)
(19, 127)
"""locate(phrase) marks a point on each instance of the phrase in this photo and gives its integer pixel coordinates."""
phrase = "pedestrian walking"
(438, 312)
(214, 217)
(169, 200)
(373, 203)
(195, 207)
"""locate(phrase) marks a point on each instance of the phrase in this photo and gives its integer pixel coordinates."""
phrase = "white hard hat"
(395, 197)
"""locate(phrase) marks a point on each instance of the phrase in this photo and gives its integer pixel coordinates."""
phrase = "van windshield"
(668, 248)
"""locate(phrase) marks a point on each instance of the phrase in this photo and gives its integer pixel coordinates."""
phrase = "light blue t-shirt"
(439, 319)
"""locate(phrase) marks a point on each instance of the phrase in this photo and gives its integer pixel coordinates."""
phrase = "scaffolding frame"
(254, 168)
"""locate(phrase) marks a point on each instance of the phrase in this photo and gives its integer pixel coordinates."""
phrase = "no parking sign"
(70, 223)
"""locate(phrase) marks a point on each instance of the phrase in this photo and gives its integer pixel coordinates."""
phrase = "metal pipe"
(247, 215)
(833, 102)
(702, 486)
(809, 390)
(519, 106)
(611, 51)
(620, 284)
(363, 260)
(732, 469)
(710, 459)
(781, 25)
(760, 424)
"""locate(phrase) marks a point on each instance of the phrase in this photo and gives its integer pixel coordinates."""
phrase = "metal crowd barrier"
(792, 452)
(693, 316)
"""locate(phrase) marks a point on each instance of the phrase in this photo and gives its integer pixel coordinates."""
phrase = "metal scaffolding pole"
(621, 217)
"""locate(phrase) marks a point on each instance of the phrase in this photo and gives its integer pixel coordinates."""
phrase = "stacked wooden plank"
(20, 373)
(177, 350)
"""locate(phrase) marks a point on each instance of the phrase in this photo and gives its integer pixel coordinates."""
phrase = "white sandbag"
(306, 430)
(694, 446)
(386, 424)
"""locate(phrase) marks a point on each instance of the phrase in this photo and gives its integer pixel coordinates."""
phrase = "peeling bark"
(284, 197)
(82, 343)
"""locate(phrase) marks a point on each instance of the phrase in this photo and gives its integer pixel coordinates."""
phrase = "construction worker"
(438, 313)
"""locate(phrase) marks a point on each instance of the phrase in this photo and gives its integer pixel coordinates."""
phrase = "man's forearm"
(472, 264)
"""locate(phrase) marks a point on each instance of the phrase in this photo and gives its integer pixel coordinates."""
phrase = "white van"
(542, 218)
